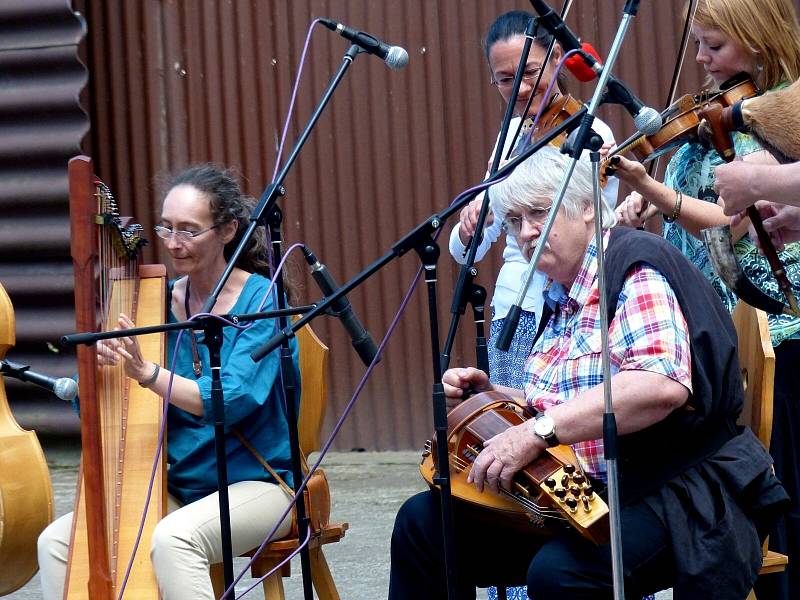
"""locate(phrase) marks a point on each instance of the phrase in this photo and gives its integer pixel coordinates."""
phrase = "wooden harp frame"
(119, 435)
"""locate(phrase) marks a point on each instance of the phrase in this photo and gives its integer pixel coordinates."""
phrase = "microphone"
(394, 56)
(645, 118)
(342, 310)
(63, 387)
(578, 64)
(586, 65)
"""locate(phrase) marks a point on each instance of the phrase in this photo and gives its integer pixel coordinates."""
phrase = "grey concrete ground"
(367, 489)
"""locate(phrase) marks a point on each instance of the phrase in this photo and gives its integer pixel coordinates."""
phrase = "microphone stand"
(420, 239)
(478, 301)
(212, 329)
(213, 339)
(468, 272)
(264, 209)
(290, 396)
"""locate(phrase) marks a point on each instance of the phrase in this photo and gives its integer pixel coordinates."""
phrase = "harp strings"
(116, 277)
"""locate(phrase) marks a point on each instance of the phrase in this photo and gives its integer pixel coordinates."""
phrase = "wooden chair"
(314, 389)
(757, 361)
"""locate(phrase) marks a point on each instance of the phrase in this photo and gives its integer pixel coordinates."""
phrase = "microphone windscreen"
(578, 67)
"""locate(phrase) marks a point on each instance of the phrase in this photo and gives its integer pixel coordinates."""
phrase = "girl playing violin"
(762, 39)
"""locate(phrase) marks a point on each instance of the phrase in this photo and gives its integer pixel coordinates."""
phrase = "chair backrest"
(313, 388)
(757, 361)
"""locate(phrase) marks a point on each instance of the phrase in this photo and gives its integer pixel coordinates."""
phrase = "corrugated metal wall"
(174, 82)
(41, 126)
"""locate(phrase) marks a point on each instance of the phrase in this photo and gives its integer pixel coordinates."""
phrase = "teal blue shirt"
(253, 404)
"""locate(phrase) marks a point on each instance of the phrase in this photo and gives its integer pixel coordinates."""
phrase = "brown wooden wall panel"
(174, 82)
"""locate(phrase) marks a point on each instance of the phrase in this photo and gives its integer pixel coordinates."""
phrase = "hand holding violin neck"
(716, 125)
(719, 124)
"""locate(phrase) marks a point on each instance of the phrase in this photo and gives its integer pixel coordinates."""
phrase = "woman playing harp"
(203, 217)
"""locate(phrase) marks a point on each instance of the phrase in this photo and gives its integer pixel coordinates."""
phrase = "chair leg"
(273, 587)
(321, 575)
(217, 575)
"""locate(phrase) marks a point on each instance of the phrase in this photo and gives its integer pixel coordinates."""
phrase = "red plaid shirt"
(648, 333)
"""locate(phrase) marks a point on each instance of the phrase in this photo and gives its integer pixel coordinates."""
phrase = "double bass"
(26, 495)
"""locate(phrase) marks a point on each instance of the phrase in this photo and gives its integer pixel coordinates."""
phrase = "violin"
(548, 496)
(561, 107)
(681, 121)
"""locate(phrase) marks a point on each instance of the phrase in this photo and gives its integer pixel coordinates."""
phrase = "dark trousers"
(560, 568)
(785, 450)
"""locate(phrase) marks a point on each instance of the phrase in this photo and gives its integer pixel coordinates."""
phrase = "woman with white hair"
(676, 386)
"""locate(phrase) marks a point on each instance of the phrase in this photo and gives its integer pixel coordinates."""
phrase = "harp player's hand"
(109, 352)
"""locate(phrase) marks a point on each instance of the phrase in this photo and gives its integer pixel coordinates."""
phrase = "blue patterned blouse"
(691, 170)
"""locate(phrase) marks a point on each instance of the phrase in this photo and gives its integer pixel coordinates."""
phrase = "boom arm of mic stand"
(275, 189)
(410, 240)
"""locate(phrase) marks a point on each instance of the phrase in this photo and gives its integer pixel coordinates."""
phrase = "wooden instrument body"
(532, 505)
(560, 109)
(681, 123)
(26, 496)
(120, 420)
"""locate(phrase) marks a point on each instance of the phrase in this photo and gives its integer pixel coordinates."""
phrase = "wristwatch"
(545, 428)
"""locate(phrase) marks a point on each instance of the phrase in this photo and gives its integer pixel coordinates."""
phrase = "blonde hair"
(540, 177)
(768, 29)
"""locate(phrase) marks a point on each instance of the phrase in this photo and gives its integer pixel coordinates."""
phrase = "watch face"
(543, 426)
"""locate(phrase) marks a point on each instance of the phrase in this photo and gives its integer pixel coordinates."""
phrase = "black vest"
(651, 457)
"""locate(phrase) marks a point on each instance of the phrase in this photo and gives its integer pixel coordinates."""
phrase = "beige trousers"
(185, 542)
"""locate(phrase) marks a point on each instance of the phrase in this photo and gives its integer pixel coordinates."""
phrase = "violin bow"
(652, 168)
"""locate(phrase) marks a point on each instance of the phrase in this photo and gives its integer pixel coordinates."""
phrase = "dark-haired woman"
(503, 48)
(202, 219)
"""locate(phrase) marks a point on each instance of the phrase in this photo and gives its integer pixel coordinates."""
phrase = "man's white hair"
(539, 177)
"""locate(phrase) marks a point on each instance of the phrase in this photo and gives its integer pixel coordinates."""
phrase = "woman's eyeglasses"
(184, 236)
(529, 76)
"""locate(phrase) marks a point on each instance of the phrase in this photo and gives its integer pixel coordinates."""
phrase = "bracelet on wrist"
(676, 211)
(152, 379)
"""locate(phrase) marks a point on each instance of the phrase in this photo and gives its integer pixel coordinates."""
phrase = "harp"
(120, 420)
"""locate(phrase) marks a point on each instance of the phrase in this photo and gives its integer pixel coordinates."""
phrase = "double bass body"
(26, 496)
